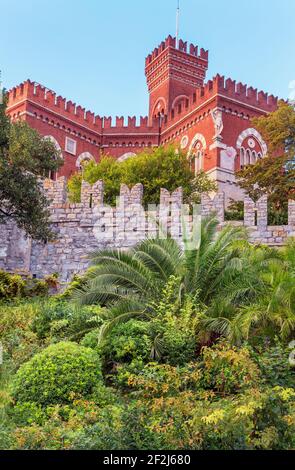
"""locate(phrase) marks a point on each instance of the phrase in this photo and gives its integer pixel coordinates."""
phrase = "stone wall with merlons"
(90, 225)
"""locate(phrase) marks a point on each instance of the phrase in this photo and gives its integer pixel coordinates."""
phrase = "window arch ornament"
(126, 156)
(197, 138)
(196, 152)
(85, 156)
(179, 99)
(54, 141)
(52, 174)
(160, 107)
(249, 134)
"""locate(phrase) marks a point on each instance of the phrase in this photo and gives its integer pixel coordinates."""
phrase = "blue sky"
(93, 51)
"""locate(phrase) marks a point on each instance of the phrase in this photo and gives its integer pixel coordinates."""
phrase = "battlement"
(221, 87)
(170, 42)
(130, 124)
(43, 97)
(92, 225)
(241, 92)
(40, 96)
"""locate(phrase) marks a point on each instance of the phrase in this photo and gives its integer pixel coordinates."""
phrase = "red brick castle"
(210, 121)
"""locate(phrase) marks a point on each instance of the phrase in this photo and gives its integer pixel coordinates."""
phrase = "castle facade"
(210, 121)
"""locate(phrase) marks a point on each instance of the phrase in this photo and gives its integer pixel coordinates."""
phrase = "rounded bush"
(59, 374)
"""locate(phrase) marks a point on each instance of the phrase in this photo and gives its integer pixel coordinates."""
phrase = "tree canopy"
(275, 174)
(155, 169)
(25, 157)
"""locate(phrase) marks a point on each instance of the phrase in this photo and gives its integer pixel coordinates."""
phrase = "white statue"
(218, 123)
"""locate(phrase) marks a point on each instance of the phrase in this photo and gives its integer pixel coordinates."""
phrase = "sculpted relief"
(218, 123)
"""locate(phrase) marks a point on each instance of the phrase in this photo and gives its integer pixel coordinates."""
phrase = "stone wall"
(90, 225)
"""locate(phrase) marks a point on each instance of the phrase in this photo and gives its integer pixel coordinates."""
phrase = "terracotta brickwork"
(210, 121)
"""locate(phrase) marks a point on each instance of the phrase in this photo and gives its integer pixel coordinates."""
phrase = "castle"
(210, 121)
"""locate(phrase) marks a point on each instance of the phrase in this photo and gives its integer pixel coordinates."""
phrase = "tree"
(25, 157)
(219, 275)
(155, 169)
(275, 174)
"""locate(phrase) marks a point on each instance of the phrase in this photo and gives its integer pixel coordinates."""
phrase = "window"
(71, 146)
(198, 161)
(242, 157)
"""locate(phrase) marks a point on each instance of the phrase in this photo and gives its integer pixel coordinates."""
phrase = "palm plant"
(274, 308)
(131, 283)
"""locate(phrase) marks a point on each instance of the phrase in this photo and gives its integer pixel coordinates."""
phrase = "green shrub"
(273, 362)
(76, 283)
(228, 370)
(174, 327)
(58, 374)
(178, 340)
(11, 286)
(18, 341)
(185, 421)
(155, 380)
(62, 320)
(128, 341)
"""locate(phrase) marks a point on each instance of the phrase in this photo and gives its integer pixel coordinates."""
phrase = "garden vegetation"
(155, 348)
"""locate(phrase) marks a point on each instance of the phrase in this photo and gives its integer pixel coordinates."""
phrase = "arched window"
(242, 157)
(253, 157)
(84, 158)
(52, 174)
(198, 161)
(248, 157)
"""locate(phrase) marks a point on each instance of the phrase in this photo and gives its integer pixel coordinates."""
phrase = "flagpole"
(177, 22)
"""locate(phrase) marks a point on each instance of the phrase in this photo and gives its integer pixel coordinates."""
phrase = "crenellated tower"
(173, 73)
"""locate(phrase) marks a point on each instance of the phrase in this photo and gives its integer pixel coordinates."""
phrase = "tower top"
(181, 46)
(174, 71)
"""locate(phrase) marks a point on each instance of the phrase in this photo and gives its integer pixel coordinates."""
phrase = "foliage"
(128, 341)
(273, 311)
(156, 380)
(274, 364)
(272, 176)
(254, 420)
(155, 169)
(174, 327)
(25, 157)
(277, 129)
(57, 319)
(18, 341)
(59, 374)
(201, 184)
(76, 283)
(235, 210)
(228, 370)
(276, 215)
(131, 283)
(14, 286)
(275, 174)
(192, 354)
(11, 285)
